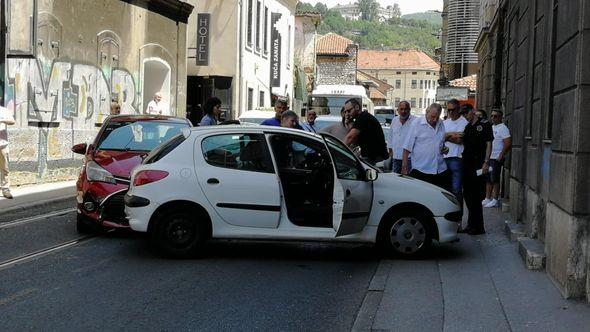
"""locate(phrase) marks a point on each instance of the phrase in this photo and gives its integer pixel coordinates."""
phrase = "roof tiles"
(396, 59)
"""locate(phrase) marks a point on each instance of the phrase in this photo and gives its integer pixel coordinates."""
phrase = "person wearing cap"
(477, 142)
(6, 119)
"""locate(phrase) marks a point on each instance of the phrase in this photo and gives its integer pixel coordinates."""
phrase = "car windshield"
(137, 135)
(327, 105)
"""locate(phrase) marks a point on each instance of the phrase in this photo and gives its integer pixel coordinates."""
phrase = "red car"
(121, 144)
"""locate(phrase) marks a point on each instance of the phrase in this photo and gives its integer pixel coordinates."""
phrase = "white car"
(261, 182)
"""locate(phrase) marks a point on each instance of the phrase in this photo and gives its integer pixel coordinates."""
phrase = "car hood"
(119, 163)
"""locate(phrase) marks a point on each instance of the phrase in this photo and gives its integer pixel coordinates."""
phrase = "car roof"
(145, 117)
(257, 114)
(249, 129)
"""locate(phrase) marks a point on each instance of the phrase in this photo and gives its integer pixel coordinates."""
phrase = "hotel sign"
(275, 51)
(203, 39)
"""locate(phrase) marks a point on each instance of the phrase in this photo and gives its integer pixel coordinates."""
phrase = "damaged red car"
(121, 144)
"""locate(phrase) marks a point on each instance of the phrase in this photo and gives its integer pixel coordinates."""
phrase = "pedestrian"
(400, 126)
(426, 142)
(289, 119)
(366, 132)
(477, 142)
(340, 129)
(115, 108)
(6, 119)
(155, 106)
(454, 127)
(482, 114)
(211, 110)
(310, 124)
(500, 147)
(280, 106)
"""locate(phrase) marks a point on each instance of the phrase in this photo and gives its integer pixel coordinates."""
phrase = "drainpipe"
(3, 29)
(240, 55)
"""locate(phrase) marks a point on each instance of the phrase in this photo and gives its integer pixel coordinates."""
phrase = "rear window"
(138, 135)
(164, 149)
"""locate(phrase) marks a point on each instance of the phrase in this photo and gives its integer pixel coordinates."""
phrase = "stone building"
(336, 60)
(534, 66)
(306, 25)
(65, 61)
(413, 75)
(240, 52)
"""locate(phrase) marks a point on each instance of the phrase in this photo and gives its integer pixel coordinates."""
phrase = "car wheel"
(85, 225)
(406, 236)
(179, 233)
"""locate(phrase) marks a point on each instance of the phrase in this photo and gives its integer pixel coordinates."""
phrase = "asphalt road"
(118, 282)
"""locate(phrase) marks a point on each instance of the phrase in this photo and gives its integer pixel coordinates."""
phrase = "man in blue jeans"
(454, 127)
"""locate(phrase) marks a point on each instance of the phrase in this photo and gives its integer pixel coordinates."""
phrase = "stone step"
(514, 231)
(505, 207)
(532, 253)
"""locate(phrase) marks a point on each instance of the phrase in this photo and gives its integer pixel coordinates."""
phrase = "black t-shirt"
(371, 138)
(475, 137)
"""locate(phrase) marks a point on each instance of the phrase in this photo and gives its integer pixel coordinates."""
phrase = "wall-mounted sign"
(203, 39)
(275, 51)
(448, 92)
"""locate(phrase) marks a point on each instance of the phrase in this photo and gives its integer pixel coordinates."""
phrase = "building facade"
(306, 25)
(413, 75)
(534, 67)
(63, 65)
(240, 52)
(336, 60)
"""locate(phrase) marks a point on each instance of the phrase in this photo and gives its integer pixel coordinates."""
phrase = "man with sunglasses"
(500, 147)
(454, 127)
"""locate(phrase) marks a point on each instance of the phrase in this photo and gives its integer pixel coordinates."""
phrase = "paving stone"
(532, 253)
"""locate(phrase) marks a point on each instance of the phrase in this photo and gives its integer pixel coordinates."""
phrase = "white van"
(329, 99)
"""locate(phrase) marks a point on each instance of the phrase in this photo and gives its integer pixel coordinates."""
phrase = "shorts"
(494, 175)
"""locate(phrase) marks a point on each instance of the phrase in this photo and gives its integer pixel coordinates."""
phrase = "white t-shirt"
(154, 108)
(455, 150)
(425, 143)
(501, 132)
(397, 135)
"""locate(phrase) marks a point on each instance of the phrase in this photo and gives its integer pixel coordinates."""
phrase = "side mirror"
(371, 174)
(79, 148)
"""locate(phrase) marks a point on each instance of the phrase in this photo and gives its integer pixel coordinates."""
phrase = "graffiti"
(72, 92)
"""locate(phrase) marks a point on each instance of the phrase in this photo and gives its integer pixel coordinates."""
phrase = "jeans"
(455, 167)
(397, 165)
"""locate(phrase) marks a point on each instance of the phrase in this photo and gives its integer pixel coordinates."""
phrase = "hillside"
(429, 16)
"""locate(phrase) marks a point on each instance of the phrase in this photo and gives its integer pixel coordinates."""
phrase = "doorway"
(156, 78)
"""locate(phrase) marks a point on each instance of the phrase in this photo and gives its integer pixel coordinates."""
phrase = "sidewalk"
(41, 195)
(478, 284)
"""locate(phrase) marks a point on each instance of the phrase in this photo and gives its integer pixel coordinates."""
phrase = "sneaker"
(485, 201)
(6, 193)
(491, 204)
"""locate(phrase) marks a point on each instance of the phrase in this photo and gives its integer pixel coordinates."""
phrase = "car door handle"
(213, 181)
(347, 192)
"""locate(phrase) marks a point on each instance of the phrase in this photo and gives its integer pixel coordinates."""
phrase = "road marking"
(35, 218)
(368, 310)
(43, 252)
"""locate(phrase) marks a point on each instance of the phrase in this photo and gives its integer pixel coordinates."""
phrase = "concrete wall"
(87, 54)
(535, 67)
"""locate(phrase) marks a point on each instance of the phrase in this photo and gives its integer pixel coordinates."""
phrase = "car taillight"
(145, 177)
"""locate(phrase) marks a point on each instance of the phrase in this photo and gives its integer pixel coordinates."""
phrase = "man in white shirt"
(426, 143)
(500, 147)
(6, 118)
(154, 106)
(400, 126)
(454, 127)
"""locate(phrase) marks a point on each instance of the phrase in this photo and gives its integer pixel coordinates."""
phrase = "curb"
(8, 214)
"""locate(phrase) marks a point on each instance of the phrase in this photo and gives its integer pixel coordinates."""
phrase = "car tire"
(85, 225)
(179, 233)
(405, 236)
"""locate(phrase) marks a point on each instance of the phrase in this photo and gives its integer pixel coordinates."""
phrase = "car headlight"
(451, 198)
(96, 173)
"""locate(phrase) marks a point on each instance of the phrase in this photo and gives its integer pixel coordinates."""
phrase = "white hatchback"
(261, 182)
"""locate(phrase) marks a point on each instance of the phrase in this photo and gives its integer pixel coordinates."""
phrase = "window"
(22, 32)
(347, 167)
(398, 72)
(250, 98)
(299, 153)
(245, 152)
(397, 100)
(421, 84)
(398, 84)
(427, 73)
(420, 103)
(414, 84)
(414, 73)
(137, 136)
(250, 27)
(265, 36)
(261, 99)
(258, 27)
(413, 102)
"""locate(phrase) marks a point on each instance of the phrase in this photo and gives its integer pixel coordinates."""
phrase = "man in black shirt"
(366, 132)
(477, 140)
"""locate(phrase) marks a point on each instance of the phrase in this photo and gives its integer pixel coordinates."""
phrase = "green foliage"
(369, 9)
(304, 7)
(429, 16)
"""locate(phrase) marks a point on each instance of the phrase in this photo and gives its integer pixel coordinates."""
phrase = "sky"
(406, 6)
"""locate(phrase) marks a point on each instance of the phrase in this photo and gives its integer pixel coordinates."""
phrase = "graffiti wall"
(76, 60)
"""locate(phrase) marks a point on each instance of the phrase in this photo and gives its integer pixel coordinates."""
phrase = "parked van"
(329, 99)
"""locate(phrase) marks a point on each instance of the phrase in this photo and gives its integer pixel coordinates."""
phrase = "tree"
(395, 10)
(369, 9)
(321, 8)
(303, 7)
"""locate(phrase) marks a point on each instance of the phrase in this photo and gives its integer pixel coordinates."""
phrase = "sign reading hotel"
(448, 92)
(203, 39)
(275, 51)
